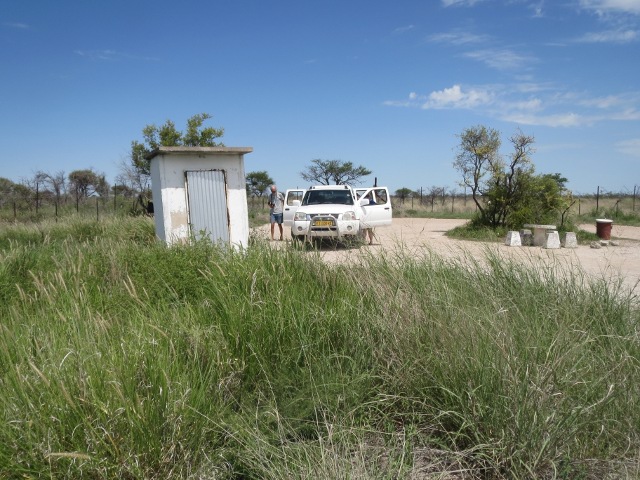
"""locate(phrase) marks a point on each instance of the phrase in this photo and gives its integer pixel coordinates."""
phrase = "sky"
(389, 85)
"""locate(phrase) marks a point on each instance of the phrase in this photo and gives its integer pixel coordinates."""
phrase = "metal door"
(207, 204)
(291, 196)
(380, 212)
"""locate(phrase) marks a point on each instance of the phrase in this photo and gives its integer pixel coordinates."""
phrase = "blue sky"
(388, 85)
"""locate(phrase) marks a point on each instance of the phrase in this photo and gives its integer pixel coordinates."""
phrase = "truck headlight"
(349, 216)
(299, 216)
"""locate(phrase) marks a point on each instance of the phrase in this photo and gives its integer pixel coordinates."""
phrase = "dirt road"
(416, 236)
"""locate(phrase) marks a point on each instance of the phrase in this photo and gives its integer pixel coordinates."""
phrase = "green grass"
(486, 234)
(619, 218)
(122, 358)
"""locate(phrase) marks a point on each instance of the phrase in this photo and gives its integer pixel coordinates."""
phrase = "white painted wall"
(168, 167)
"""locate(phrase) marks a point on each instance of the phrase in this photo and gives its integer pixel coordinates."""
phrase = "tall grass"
(120, 357)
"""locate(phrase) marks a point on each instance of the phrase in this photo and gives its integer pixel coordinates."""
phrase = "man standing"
(276, 203)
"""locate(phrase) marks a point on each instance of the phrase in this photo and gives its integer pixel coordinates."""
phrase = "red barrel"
(603, 228)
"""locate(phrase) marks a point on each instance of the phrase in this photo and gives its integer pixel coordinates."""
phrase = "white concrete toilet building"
(200, 192)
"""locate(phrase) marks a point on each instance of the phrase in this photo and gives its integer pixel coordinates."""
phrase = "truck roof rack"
(330, 187)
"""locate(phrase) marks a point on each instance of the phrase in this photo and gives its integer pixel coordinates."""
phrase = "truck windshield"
(334, 197)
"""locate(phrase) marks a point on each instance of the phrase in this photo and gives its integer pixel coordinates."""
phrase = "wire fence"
(38, 207)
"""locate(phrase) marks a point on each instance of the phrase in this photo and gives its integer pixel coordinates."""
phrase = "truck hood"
(328, 209)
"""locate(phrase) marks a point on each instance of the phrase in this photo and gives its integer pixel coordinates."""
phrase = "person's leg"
(272, 218)
(281, 231)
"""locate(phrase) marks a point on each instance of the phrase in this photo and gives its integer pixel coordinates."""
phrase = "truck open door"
(292, 200)
(376, 207)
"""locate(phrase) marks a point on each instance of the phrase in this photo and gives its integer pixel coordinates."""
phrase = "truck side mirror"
(295, 203)
(364, 202)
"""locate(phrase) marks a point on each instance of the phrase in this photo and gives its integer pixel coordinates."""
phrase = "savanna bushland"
(121, 357)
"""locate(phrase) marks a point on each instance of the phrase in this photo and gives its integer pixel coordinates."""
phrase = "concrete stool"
(526, 237)
(513, 239)
(552, 240)
(570, 240)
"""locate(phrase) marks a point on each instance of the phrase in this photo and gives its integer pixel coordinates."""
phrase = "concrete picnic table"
(540, 232)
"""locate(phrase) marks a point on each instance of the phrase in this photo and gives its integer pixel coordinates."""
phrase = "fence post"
(597, 198)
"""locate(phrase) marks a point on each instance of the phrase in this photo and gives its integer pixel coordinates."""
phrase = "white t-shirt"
(277, 200)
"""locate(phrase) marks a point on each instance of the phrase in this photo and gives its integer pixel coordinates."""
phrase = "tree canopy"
(507, 192)
(404, 193)
(167, 135)
(88, 182)
(328, 172)
(258, 183)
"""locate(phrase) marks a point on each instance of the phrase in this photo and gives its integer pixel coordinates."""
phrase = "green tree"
(477, 152)
(167, 135)
(88, 182)
(197, 136)
(24, 194)
(55, 182)
(327, 172)
(404, 193)
(7, 191)
(512, 184)
(123, 190)
(507, 193)
(258, 183)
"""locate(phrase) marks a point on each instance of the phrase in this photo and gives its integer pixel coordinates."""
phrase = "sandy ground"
(418, 236)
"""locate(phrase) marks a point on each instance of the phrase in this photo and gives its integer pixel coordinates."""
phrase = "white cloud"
(459, 3)
(558, 120)
(603, 102)
(97, 54)
(405, 29)
(626, 115)
(610, 36)
(526, 86)
(603, 7)
(538, 9)
(543, 104)
(398, 103)
(501, 59)
(457, 38)
(533, 104)
(612, 101)
(110, 55)
(22, 26)
(455, 97)
(629, 147)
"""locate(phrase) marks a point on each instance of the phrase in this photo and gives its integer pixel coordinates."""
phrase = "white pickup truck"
(335, 211)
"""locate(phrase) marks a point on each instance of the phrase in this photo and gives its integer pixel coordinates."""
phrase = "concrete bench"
(552, 240)
(513, 239)
(570, 240)
(540, 234)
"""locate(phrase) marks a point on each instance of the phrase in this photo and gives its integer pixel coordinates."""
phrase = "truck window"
(381, 196)
(327, 197)
(293, 196)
